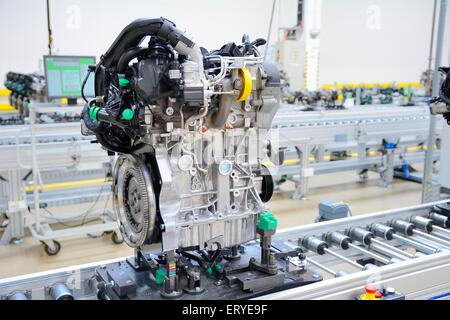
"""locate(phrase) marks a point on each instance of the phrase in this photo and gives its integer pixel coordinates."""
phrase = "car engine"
(190, 131)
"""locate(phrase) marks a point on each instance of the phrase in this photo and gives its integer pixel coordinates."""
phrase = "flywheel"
(134, 200)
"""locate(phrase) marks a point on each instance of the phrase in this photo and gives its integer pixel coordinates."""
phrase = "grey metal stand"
(429, 187)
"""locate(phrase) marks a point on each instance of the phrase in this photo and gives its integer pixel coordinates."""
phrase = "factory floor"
(367, 197)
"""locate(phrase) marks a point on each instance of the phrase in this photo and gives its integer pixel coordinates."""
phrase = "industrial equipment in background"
(378, 138)
(47, 163)
(24, 88)
(348, 95)
(65, 74)
(61, 81)
(297, 54)
(332, 210)
(69, 170)
(298, 48)
(379, 127)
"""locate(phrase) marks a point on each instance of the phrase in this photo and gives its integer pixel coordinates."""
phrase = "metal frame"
(429, 185)
(351, 130)
(42, 230)
(49, 148)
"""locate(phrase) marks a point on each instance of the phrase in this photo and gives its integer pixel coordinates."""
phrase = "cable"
(84, 215)
(59, 221)
(90, 69)
(49, 29)
(103, 214)
(350, 211)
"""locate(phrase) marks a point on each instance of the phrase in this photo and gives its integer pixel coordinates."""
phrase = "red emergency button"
(371, 289)
(372, 293)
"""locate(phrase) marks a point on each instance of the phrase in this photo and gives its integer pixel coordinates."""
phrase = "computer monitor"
(65, 75)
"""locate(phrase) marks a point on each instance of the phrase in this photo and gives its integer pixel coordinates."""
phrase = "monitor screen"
(65, 74)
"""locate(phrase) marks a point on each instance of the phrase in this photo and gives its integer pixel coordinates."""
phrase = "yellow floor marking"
(58, 185)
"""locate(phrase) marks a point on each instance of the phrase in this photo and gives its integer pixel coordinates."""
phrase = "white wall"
(23, 35)
(84, 27)
(374, 40)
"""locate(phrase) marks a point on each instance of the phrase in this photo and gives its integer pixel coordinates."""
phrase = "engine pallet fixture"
(24, 87)
(189, 128)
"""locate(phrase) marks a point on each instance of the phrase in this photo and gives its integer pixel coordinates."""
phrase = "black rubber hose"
(130, 37)
(197, 259)
(114, 148)
(97, 128)
(84, 83)
(447, 117)
(127, 57)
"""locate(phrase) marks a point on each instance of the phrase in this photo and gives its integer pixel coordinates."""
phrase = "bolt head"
(170, 111)
(237, 84)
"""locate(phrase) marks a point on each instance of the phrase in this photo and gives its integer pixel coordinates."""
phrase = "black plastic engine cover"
(150, 83)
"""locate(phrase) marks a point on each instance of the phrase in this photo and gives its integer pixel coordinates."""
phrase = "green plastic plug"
(208, 272)
(93, 111)
(127, 114)
(267, 221)
(124, 82)
(160, 276)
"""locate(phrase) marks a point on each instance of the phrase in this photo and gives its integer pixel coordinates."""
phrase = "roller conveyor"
(383, 248)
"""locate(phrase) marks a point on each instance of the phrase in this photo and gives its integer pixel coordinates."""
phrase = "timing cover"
(134, 200)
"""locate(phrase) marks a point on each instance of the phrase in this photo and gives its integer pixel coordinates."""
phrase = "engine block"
(189, 128)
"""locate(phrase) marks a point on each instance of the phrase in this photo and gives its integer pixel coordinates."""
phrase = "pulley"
(247, 84)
